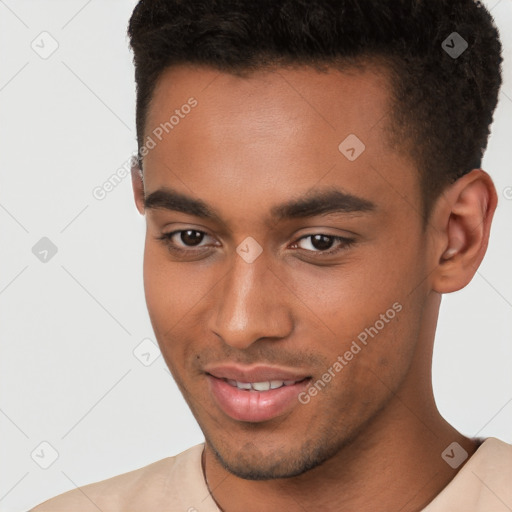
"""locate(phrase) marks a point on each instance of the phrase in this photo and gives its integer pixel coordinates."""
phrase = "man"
(310, 176)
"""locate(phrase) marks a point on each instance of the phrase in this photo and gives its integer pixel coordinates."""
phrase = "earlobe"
(464, 228)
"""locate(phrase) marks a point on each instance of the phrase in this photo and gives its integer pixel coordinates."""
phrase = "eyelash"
(345, 243)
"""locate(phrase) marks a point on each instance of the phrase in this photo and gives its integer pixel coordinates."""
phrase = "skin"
(372, 438)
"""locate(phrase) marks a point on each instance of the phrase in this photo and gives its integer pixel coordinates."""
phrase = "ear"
(138, 185)
(461, 226)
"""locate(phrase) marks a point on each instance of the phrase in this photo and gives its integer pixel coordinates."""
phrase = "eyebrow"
(318, 203)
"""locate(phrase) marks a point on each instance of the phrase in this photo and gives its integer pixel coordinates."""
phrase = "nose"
(251, 305)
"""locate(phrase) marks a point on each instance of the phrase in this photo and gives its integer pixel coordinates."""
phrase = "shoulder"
(483, 483)
(496, 463)
(159, 483)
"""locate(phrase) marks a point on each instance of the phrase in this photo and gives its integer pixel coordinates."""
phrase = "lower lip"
(254, 406)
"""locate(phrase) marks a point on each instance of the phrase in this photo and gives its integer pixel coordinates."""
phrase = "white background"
(68, 327)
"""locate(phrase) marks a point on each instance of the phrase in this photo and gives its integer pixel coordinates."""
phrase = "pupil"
(188, 238)
(321, 242)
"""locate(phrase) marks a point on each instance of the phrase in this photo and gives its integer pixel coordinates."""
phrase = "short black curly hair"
(443, 104)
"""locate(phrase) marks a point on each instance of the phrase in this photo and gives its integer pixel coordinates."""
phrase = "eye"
(322, 244)
(183, 240)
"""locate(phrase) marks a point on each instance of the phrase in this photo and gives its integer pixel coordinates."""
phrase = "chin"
(252, 463)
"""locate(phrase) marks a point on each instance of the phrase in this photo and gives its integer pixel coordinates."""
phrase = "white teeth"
(260, 386)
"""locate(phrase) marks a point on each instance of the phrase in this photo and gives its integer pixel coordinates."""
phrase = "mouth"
(255, 394)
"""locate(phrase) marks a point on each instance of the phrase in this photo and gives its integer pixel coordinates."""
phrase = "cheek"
(171, 288)
(350, 296)
(166, 299)
(166, 293)
(179, 296)
(363, 308)
(375, 361)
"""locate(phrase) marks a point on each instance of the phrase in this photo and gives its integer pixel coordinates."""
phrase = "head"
(346, 143)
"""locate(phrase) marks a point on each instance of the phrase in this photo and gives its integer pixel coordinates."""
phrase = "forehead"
(287, 97)
(276, 132)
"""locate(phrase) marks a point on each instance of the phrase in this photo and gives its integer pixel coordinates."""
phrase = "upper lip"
(257, 373)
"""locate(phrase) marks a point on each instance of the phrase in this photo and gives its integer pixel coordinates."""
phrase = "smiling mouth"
(256, 400)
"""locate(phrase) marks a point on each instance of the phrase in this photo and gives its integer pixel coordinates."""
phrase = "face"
(282, 253)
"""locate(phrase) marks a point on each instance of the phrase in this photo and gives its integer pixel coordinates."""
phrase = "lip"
(249, 405)
(257, 373)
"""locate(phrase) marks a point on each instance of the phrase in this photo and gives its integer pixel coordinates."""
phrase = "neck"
(382, 469)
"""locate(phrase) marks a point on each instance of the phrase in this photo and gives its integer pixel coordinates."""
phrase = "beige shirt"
(176, 484)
